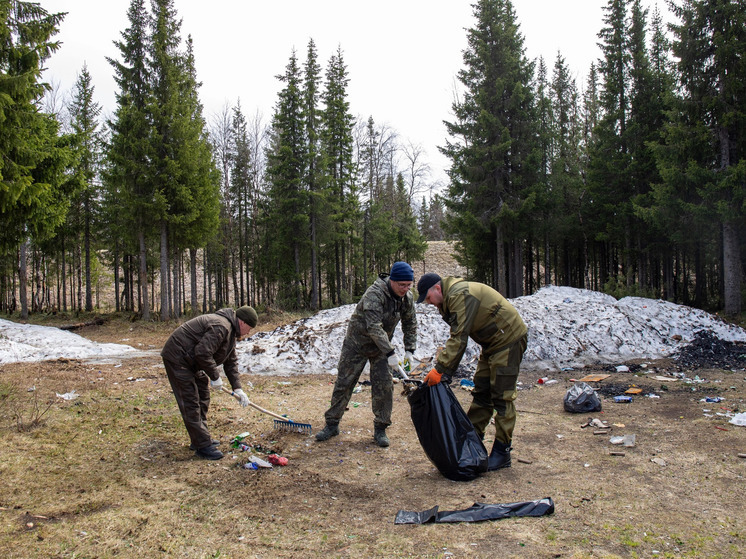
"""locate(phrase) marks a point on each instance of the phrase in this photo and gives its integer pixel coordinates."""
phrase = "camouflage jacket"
(204, 342)
(474, 310)
(375, 317)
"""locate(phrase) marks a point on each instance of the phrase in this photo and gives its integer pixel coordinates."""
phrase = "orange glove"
(432, 378)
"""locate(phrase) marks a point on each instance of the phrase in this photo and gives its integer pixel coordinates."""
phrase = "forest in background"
(635, 184)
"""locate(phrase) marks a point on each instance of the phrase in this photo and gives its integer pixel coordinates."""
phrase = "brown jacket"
(205, 342)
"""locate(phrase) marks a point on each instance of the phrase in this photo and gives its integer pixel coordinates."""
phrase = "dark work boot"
(499, 457)
(381, 439)
(327, 432)
(214, 443)
(209, 453)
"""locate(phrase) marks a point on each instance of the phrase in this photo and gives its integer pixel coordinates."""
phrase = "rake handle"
(256, 407)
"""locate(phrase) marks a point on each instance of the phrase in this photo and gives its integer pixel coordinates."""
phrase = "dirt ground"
(110, 474)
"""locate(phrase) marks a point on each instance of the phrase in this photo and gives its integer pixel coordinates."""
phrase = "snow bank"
(29, 342)
(568, 327)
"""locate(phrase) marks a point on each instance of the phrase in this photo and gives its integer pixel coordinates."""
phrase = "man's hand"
(393, 361)
(216, 384)
(408, 361)
(432, 378)
(241, 396)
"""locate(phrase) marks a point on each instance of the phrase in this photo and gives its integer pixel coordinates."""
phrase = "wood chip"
(742, 455)
(523, 461)
(601, 432)
(616, 453)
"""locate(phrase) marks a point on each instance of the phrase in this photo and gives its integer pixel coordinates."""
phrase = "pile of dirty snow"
(567, 327)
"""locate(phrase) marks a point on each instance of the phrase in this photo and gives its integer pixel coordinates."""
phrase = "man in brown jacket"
(192, 355)
(475, 310)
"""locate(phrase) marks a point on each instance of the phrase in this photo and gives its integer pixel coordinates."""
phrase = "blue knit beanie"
(401, 271)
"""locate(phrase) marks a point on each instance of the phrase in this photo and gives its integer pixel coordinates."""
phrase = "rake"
(281, 422)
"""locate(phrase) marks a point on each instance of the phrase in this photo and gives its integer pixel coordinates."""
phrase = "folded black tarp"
(477, 512)
(446, 434)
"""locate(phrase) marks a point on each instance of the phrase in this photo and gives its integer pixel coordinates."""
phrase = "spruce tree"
(130, 188)
(493, 141)
(84, 112)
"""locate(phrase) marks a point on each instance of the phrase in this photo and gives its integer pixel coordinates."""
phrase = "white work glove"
(216, 384)
(393, 361)
(241, 396)
(408, 363)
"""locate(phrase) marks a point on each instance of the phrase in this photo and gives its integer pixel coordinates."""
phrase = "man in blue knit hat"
(368, 340)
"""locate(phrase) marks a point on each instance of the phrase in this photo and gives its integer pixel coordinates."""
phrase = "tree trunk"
(143, 278)
(502, 285)
(731, 270)
(193, 282)
(165, 309)
(23, 280)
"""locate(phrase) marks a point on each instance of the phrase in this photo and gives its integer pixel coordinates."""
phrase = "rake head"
(292, 426)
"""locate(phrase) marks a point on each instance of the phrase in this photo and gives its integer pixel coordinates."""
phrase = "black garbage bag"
(581, 398)
(477, 512)
(446, 434)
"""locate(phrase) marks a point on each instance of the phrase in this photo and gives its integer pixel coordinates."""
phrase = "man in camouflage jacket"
(192, 355)
(474, 310)
(368, 340)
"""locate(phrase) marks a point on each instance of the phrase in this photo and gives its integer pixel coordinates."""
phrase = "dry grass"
(109, 474)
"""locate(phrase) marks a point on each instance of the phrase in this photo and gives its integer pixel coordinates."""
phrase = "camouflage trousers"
(495, 391)
(351, 364)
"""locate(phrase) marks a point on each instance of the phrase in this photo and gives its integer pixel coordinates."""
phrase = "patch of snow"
(567, 328)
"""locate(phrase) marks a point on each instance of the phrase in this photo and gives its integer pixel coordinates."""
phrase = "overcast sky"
(402, 55)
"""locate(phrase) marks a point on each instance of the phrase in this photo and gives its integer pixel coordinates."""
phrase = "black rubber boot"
(499, 457)
(209, 453)
(327, 432)
(381, 438)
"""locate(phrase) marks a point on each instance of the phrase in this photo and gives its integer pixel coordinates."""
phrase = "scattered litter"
(478, 512)
(68, 395)
(659, 461)
(622, 369)
(616, 453)
(665, 379)
(524, 461)
(593, 378)
(32, 389)
(712, 399)
(629, 440)
(633, 390)
(357, 390)
(595, 422)
(466, 384)
(259, 462)
(277, 460)
(651, 395)
(622, 399)
(250, 466)
(581, 398)
(617, 439)
(742, 455)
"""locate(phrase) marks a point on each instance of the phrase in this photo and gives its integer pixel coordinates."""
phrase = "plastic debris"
(477, 512)
(259, 462)
(739, 419)
(581, 398)
(68, 395)
(250, 466)
(277, 460)
(622, 399)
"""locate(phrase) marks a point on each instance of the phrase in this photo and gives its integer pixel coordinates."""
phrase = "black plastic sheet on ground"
(478, 512)
(446, 434)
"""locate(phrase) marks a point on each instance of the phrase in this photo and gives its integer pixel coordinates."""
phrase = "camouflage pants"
(351, 364)
(495, 383)
(192, 393)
